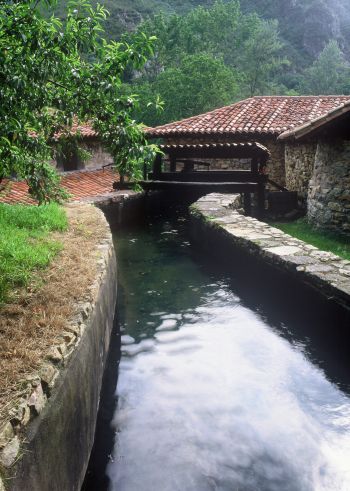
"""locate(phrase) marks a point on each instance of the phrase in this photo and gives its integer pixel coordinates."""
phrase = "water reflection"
(211, 394)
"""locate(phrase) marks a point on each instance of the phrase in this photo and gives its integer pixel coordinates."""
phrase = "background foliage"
(54, 72)
(259, 47)
(186, 57)
(214, 55)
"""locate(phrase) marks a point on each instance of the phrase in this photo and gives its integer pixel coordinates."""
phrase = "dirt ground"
(38, 314)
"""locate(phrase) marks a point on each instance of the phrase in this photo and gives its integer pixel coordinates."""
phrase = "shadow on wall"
(89, 155)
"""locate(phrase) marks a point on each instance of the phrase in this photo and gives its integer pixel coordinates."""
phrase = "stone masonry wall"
(215, 221)
(329, 189)
(299, 160)
(275, 165)
(98, 157)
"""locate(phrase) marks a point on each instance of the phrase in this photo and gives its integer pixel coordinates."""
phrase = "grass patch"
(25, 245)
(325, 241)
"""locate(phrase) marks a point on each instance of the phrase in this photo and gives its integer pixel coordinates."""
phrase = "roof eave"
(307, 129)
(194, 134)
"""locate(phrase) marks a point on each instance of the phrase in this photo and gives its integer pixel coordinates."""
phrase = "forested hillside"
(211, 53)
(306, 25)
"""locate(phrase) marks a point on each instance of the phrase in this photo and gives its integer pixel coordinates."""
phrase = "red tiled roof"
(85, 130)
(80, 184)
(269, 115)
(311, 127)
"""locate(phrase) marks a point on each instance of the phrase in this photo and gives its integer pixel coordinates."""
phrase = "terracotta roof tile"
(317, 123)
(79, 184)
(85, 130)
(271, 115)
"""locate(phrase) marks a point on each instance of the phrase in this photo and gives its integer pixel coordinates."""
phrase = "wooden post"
(254, 165)
(157, 166)
(172, 163)
(261, 196)
(247, 203)
(188, 166)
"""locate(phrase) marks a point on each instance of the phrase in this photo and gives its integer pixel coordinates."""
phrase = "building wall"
(299, 162)
(329, 188)
(98, 157)
(275, 165)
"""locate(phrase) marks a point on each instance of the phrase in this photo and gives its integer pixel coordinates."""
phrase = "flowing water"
(219, 390)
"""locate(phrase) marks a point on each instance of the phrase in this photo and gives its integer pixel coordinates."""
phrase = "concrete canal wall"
(52, 434)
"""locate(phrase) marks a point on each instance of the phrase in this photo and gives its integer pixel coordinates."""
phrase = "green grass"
(25, 245)
(323, 240)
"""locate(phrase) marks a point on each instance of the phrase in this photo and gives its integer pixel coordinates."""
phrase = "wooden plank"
(157, 166)
(239, 187)
(172, 164)
(209, 176)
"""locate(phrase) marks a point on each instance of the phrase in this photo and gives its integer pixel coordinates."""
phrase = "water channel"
(223, 384)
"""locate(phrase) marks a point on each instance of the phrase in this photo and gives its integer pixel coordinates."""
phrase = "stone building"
(317, 157)
(262, 119)
(89, 142)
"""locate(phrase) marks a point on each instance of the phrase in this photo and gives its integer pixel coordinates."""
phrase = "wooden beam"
(247, 203)
(254, 165)
(233, 187)
(216, 151)
(157, 165)
(208, 176)
(172, 163)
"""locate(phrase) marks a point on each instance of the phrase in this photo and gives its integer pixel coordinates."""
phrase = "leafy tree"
(329, 74)
(259, 56)
(52, 72)
(207, 58)
(198, 84)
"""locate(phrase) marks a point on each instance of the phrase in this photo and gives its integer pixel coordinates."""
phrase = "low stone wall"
(213, 216)
(329, 190)
(50, 436)
(299, 159)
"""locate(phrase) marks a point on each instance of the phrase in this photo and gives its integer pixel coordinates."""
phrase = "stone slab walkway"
(329, 273)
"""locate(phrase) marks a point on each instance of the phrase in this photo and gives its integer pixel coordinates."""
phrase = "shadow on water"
(164, 274)
(96, 478)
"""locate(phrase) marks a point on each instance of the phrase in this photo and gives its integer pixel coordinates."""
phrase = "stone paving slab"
(325, 271)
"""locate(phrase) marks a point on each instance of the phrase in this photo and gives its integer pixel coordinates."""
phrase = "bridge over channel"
(187, 168)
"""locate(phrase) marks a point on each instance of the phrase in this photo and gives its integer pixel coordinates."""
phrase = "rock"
(2, 486)
(69, 337)
(26, 415)
(54, 355)
(284, 250)
(37, 400)
(9, 453)
(85, 310)
(34, 380)
(300, 260)
(48, 373)
(62, 348)
(6, 434)
(21, 415)
(74, 328)
(319, 268)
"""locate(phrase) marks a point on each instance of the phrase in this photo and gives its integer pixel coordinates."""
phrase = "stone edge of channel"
(327, 272)
(16, 435)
